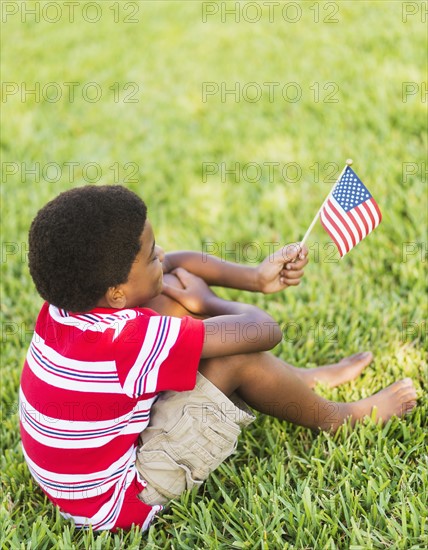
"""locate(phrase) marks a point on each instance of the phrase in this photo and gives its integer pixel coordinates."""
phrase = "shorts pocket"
(164, 474)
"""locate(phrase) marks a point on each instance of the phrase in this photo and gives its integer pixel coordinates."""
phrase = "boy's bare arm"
(279, 270)
(232, 327)
(214, 271)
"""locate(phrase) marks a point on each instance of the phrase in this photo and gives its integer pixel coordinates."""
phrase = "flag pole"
(302, 242)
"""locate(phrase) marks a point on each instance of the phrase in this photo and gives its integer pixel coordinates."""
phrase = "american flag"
(350, 212)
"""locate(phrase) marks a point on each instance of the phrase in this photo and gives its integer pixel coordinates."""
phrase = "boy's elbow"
(273, 333)
(269, 332)
(277, 336)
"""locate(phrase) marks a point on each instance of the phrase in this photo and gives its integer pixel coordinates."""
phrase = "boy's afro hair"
(83, 242)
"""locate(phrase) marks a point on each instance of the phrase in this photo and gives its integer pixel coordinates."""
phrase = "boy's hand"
(195, 294)
(282, 269)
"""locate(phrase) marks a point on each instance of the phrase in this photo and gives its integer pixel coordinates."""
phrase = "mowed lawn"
(232, 128)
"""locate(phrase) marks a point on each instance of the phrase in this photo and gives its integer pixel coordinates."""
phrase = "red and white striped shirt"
(87, 387)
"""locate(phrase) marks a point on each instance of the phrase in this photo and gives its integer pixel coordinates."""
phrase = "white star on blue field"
(351, 191)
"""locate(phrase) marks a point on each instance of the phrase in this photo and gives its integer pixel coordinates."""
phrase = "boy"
(115, 347)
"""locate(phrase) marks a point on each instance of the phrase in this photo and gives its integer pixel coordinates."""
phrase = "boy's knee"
(227, 373)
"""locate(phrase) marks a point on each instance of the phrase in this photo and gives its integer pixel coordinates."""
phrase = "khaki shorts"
(190, 434)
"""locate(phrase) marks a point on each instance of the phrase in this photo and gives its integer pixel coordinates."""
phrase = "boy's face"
(145, 278)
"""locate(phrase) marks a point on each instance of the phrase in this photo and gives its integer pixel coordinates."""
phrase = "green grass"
(286, 487)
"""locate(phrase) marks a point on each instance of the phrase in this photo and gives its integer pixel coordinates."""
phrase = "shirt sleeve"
(158, 353)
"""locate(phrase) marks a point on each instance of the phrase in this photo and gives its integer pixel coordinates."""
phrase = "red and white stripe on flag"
(348, 228)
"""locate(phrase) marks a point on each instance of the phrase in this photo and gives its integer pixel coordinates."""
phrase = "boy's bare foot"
(397, 399)
(333, 375)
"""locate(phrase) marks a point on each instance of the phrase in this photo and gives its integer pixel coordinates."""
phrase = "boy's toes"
(406, 385)
(365, 357)
(408, 406)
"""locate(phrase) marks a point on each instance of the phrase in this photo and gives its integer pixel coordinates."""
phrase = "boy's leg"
(274, 387)
(190, 433)
(335, 374)
(266, 384)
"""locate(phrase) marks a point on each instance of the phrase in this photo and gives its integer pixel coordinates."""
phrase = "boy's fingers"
(292, 274)
(291, 282)
(171, 291)
(290, 252)
(294, 251)
(298, 264)
(303, 252)
(181, 275)
(179, 271)
(168, 291)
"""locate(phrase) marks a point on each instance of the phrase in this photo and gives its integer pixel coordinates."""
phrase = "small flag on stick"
(349, 213)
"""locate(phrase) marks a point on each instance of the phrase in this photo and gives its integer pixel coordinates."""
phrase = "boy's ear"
(115, 297)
